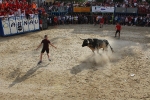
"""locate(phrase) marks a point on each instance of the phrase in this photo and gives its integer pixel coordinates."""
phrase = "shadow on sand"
(91, 62)
(30, 73)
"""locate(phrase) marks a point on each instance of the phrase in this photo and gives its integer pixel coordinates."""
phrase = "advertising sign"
(5, 25)
(19, 24)
(16, 25)
(36, 22)
(102, 9)
(31, 24)
(25, 24)
(12, 25)
(131, 10)
(81, 9)
(120, 10)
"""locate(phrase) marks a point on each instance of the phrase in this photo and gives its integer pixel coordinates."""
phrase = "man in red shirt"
(41, 24)
(55, 20)
(101, 22)
(118, 29)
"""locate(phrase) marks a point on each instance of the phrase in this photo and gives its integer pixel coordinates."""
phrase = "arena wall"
(18, 25)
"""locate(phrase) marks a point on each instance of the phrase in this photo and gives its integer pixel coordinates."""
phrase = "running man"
(46, 44)
(118, 29)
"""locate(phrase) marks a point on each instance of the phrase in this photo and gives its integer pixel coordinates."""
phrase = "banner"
(5, 26)
(120, 10)
(36, 22)
(18, 25)
(13, 26)
(81, 9)
(25, 24)
(62, 9)
(102, 9)
(131, 10)
(31, 24)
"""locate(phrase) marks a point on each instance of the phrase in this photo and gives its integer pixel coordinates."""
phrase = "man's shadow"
(30, 73)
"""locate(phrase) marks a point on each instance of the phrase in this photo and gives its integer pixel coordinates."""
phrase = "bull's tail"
(111, 48)
(107, 43)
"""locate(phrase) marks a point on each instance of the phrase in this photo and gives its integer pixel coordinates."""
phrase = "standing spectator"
(126, 21)
(55, 20)
(118, 29)
(135, 20)
(95, 19)
(129, 20)
(101, 22)
(41, 27)
(59, 20)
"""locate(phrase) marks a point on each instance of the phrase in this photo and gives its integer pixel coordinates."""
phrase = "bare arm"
(52, 45)
(39, 46)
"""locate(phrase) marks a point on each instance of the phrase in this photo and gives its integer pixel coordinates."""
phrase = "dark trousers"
(117, 31)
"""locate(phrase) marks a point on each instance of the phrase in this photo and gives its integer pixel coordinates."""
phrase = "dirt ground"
(75, 73)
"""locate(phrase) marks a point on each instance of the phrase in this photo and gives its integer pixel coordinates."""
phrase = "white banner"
(36, 22)
(102, 9)
(25, 24)
(31, 24)
(13, 25)
(19, 25)
(5, 25)
(16, 25)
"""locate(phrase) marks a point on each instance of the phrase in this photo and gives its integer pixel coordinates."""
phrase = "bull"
(96, 44)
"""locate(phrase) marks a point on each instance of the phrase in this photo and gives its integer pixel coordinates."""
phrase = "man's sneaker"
(39, 62)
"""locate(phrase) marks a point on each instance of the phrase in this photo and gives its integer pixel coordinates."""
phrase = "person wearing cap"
(46, 44)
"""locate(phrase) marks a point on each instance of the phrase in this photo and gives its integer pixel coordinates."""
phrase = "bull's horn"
(82, 39)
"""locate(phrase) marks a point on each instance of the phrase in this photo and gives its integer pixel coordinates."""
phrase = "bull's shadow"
(30, 73)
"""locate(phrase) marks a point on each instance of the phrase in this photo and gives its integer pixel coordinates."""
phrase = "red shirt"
(129, 18)
(10, 5)
(102, 20)
(55, 19)
(40, 21)
(118, 27)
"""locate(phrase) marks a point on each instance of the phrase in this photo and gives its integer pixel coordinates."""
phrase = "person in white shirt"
(135, 4)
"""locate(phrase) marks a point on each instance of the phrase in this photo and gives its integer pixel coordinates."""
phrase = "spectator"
(118, 29)
(41, 27)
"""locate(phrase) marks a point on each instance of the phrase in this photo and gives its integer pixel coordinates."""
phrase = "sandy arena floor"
(75, 73)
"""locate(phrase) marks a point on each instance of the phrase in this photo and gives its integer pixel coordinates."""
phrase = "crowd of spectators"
(20, 8)
(143, 7)
(129, 20)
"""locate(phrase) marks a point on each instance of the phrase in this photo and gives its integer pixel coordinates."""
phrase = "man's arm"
(52, 45)
(39, 46)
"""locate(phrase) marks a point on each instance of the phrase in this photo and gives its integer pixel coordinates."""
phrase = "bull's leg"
(93, 51)
(106, 48)
(97, 51)
(103, 49)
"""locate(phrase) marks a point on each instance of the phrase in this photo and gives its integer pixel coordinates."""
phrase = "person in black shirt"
(46, 44)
